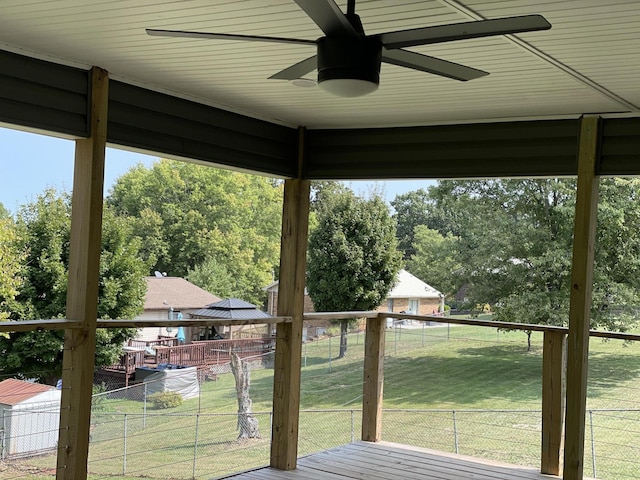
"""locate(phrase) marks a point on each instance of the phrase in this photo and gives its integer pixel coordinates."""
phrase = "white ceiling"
(587, 63)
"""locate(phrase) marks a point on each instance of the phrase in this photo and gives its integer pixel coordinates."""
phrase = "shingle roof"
(231, 308)
(409, 286)
(13, 391)
(176, 292)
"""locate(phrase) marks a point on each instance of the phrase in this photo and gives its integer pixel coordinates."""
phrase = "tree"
(353, 256)
(43, 232)
(247, 422)
(436, 258)
(194, 219)
(513, 241)
(11, 260)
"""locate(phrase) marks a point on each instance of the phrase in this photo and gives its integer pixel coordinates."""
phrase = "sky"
(31, 163)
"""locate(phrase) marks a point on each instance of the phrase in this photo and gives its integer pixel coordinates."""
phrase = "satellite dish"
(158, 274)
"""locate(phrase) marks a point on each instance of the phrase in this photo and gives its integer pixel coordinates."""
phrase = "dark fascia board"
(486, 150)
(153, 121)
(43, 95)
(620, 147)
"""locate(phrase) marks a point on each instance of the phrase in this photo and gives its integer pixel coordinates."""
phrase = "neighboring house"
(30, 417)
(166, 297)
(410, 295)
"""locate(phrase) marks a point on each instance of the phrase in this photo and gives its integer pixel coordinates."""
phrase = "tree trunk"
(247, 422)
(528, 332)
(344, 324)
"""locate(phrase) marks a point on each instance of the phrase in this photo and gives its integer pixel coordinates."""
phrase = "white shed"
(30, 417)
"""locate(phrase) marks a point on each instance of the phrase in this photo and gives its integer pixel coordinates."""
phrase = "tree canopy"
(42, 233)
(218, 228)
(509, 243)
(353, 256)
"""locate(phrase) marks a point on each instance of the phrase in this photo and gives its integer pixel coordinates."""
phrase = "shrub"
(162, 400)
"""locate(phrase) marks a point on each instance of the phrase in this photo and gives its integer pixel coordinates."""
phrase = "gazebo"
(562, 102)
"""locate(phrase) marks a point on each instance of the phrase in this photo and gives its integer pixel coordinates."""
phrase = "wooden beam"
(82, 297)
(191, 322)
(553, 395)
(373, 379)
(580, 299)
(286, 376)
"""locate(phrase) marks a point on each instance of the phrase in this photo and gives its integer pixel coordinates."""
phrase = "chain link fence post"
(593, 446)
(195, 447)
(455, 432)
(124, 449)
(353, 434)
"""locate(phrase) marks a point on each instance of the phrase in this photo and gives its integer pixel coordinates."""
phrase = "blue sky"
(30, 163)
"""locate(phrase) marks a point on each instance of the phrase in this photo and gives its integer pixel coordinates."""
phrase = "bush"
(162, 400)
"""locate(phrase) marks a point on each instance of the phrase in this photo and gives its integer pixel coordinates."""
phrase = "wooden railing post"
(553, 385)
(373, 379)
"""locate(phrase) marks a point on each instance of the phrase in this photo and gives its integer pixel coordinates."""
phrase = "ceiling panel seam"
(473, 15)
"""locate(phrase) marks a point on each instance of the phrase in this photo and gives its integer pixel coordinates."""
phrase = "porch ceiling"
(587, 63)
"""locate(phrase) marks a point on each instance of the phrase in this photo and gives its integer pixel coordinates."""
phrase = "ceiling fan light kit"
(348, 61)
(349, 68)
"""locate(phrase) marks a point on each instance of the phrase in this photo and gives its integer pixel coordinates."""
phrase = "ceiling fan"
(348, 61)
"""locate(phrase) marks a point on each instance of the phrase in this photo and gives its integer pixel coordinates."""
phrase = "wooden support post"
(553, 395)
(82, 296)
(373, 379)
(286, 375)
(580, 300)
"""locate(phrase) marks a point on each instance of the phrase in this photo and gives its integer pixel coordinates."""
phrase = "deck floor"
(392, 461)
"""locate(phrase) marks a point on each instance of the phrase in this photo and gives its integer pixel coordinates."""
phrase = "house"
(166, 298)
(30, 417)
(409, 295)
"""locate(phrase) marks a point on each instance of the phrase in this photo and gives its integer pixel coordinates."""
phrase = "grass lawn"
(467, 388)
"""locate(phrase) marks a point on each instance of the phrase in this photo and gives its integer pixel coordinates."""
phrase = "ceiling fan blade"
(463, 31)
(298, 70)
(328, 16)
(226, 36)
(424, 63)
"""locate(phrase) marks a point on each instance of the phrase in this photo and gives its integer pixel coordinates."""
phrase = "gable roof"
(410, 286)
(166, 292)
(14, 391)
(407, 286)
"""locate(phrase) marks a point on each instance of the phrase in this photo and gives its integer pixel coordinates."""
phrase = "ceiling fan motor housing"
(347, 58)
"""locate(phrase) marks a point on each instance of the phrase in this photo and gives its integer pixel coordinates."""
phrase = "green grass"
(433, 372)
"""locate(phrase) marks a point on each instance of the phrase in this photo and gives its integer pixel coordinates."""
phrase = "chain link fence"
(130, 439)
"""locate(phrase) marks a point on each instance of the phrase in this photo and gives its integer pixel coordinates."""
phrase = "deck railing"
(553, 373)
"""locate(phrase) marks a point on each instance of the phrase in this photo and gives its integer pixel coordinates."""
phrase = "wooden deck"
(392, 461)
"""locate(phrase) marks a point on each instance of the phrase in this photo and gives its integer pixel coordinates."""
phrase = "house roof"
(410, 286)
(14, 391)
(166, 292)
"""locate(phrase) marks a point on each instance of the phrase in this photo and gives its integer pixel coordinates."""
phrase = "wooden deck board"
(392, 461)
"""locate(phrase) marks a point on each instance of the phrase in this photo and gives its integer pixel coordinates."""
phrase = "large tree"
(197, 221)
(513, 242)
(43, 232)
(353, 255)
(11, 260)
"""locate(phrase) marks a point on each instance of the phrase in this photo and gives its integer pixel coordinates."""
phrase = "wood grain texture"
(392, 461)
(373, 384)
(553, 397)
(286, 381)
(82, 296)
(580, 299)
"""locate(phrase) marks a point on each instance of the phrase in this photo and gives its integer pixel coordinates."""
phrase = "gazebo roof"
(230, 308)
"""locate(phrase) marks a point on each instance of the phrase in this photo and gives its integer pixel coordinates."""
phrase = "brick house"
(410, 295)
